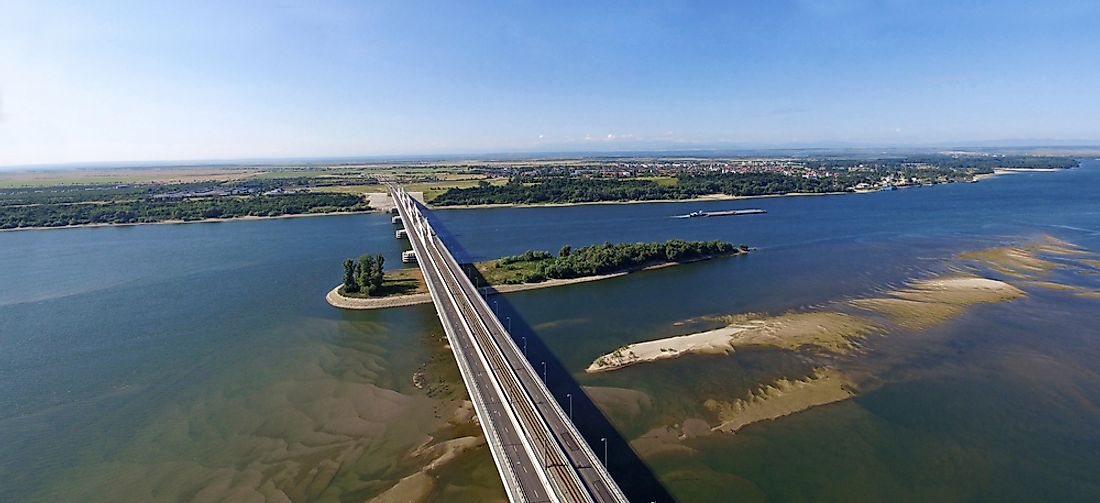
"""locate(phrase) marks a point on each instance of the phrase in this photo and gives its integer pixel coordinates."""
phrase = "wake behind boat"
(726, 213)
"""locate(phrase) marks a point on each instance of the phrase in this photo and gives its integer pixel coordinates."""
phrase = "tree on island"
(351, 285)
(364, 275)
(607, 258)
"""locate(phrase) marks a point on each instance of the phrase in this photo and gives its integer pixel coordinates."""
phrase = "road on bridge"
(538, 451)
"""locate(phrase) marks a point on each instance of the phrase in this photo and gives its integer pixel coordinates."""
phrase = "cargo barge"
(726, 213)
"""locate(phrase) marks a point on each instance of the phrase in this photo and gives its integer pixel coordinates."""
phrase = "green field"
(666, 181)
(19, 180)
(406, 281)
(431, 190)
(504, 274)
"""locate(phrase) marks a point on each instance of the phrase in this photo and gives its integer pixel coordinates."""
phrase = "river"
(200, 361)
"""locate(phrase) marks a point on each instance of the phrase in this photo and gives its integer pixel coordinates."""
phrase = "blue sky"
(160, 80)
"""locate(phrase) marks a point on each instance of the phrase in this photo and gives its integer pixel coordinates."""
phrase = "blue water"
(1002, 403)
(153, 362)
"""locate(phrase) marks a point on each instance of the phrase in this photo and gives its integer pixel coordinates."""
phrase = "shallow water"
(1001, 403)
(176, 362)
(183, 362)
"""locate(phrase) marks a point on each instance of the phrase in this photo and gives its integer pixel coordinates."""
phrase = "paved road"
(539, 453)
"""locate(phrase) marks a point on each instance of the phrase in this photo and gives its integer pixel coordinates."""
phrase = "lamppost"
(509, 324)
(604, 440)
(496, 307)
(524, 345)
(544, 372)
(570, 397)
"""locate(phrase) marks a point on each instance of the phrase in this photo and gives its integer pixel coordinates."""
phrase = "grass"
(431, 190)
(449, 177)
(513, 273)
(664, 181)
(406, 281)
(60, 178)
(351, 189)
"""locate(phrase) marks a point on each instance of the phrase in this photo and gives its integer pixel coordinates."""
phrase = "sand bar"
(928, 302)
(781, 398)
(832, 332)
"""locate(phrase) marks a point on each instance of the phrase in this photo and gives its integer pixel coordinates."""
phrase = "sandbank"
(1024, 261)
(335, 299)
(619, 403)
(1050, 285)
(415, 487)
(832, 332)
(928, 302)
(670, 439)
(781, 398)
(1013, 261)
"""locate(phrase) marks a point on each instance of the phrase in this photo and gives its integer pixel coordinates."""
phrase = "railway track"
(565, 463)
(553, 459)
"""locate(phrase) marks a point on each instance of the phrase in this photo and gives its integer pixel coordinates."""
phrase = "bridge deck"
(539, 453)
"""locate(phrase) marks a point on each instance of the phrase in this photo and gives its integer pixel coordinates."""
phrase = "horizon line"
(553, 154)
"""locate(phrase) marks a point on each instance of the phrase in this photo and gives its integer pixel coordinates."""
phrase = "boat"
(699, 213)
(751, 211)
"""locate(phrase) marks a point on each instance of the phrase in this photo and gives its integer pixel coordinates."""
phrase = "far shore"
(384, 209)
(726, 197)
(382, 198)
(708, 197)
(200, 221)
(1011, 171)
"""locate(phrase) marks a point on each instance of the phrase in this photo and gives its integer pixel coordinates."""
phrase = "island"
(366, 286)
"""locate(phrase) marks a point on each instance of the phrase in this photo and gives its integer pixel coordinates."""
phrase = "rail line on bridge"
(538, 452)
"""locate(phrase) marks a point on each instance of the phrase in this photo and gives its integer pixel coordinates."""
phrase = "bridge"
(538, 451)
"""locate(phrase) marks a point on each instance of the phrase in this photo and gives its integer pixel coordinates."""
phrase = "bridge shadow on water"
(631, 473)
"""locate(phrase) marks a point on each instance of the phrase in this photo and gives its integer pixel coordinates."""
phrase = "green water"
(200, 362)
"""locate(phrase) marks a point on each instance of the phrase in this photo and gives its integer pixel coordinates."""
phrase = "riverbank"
(1010, 171)
(708, 197)
(199, 221)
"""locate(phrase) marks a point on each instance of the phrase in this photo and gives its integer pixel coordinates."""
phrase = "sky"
(119, 80)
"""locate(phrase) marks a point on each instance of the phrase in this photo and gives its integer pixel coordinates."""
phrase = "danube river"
(200, 362)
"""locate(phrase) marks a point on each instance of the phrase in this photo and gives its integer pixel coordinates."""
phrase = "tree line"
(840, 175)
(363, 275)
(566, 189)
(143, 211)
